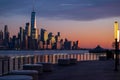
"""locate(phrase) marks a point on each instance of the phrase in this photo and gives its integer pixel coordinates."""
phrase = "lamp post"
(116, 37)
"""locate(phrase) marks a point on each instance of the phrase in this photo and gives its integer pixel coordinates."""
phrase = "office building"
(21, 34)
(34, 34)
(53, 40)
(6, 36)
(44, 35)
(50, 35)
(40, 45)
(58, 34)
(27, 29)
(1, 35)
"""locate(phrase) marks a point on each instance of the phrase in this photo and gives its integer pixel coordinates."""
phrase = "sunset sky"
(89, 21)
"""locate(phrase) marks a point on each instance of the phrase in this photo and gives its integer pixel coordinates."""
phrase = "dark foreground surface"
(88, 70)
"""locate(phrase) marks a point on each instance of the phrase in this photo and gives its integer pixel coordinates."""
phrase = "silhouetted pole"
(116, 55)
(116, 37)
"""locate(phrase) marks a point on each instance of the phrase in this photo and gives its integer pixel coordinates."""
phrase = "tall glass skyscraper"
(33, 20)
(33, 26)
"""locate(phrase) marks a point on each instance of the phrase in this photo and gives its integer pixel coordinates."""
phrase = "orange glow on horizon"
(88, 33)
(93, 41)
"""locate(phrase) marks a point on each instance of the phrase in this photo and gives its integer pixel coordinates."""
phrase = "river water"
(17, 53)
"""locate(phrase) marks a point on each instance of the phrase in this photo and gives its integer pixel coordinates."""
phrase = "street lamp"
(116, 37)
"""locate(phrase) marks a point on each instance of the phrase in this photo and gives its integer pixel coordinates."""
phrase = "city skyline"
(90, 22)
(32, 38)
(42, 40)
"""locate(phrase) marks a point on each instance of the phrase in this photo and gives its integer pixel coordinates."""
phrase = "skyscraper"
(27, 29)
(34, 32)
(33, 26)
(58, 34)
(1, 35)
(21, 34)
(44, 35)
(33, 20)
(6, 36)
(6, 32)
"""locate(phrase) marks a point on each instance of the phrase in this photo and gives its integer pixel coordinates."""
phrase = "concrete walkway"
(89, 70)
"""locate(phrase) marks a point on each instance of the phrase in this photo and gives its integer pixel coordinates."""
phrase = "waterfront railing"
(9, 63)
(52, 58)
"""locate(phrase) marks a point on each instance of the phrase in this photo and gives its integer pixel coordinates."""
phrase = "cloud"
(62, 9)
(64, 4)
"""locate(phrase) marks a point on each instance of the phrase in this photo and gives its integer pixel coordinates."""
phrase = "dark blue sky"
(62, 9)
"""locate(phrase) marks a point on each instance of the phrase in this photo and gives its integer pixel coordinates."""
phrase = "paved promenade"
(87, 70)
